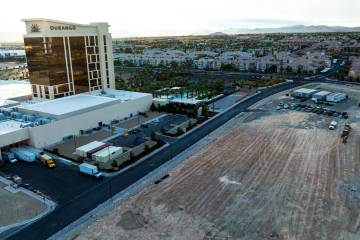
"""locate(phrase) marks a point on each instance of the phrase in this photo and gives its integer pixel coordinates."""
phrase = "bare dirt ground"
(265, 177)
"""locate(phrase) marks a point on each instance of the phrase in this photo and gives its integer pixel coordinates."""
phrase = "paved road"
(73, 207)
(225, 102)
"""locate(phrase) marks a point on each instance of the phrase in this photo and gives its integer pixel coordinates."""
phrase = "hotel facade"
(65, 58)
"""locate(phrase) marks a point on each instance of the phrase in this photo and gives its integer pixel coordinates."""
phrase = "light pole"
(75, 141)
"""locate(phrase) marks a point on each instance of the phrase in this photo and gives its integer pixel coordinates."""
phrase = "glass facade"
(63, 66)
(79, 64)
(47, 64)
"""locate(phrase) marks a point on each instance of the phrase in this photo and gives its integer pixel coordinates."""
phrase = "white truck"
(9, 157)
(90, 170)
(333, 125)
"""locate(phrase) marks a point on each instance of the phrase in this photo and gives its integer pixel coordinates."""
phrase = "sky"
(129, 18)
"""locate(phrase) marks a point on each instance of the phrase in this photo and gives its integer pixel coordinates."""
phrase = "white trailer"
(336, 97)
(304, 93)
(83, 150)
(107, 154)
(320, 96)
(90, 170)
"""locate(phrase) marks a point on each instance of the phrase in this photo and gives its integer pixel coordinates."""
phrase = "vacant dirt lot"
(265, 177)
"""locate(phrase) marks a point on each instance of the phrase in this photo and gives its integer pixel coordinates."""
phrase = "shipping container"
(107, 154)
(83, 150)
(304, 93)
(336, 97)
(23, 154)
(320, 96)
(37, 152)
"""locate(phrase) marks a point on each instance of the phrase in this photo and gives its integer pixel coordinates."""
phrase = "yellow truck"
(47, 161)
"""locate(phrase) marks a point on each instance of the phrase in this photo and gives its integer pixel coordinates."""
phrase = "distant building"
(4, 53)
(320, 96)
(304, 93)
(67, 58)
(336, 97)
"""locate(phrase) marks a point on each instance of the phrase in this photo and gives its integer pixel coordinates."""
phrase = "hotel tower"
(65, 58)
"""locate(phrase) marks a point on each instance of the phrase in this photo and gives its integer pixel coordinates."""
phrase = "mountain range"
(288, 29)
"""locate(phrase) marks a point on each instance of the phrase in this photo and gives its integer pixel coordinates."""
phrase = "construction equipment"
(47, 161)
(345, 133)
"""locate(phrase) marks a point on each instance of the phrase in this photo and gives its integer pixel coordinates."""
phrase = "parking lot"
(60, 184)
(315, 114)
(323, 109)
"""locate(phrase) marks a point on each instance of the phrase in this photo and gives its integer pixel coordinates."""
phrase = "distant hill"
(289, 29)
(218, 34)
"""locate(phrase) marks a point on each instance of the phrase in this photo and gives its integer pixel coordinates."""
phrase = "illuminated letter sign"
(62, 28)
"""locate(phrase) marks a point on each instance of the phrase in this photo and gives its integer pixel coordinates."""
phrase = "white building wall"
(54, 132)
(14, 137)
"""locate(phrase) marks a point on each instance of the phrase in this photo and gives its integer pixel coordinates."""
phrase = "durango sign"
(63, 27)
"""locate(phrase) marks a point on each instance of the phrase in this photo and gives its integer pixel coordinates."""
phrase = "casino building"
(66, 58)
(72, 82)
